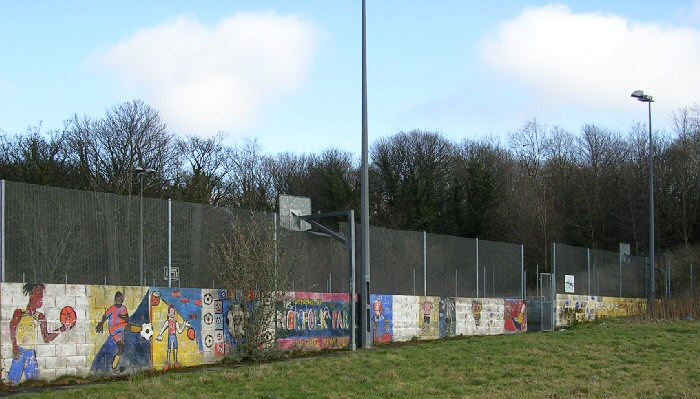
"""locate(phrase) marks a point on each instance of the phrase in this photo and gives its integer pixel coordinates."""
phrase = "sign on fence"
(569, 283)
(174, 273)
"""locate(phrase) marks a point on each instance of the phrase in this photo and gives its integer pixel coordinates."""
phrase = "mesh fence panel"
(605, 276)
(396, 261)
(54, 235)
(572, 261)
(451, 264)
(634, 277)
(314, 262)
(605, 273)
(501, 266)
(93, 238)
(197, 230)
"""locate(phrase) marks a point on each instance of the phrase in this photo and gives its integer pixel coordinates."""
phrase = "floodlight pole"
(141, 172)
(364, 289)
(646, 98)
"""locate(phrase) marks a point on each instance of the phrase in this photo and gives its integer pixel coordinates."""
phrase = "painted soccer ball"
(191, 334)
(146, 331)
(68, 316)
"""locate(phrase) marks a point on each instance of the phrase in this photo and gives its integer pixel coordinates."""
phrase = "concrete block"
(66, 350)
(70, 371)
(83, 349)
(54, 362)
(47, 374)
(79, 362)
(45, 350)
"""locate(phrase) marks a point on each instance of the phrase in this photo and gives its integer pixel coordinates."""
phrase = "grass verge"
(611, 359)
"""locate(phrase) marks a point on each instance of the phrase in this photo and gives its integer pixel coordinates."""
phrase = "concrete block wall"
(570, 309)
(402, 318)
(56, 327)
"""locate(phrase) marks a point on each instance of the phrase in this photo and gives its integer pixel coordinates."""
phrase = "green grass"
(614, 359)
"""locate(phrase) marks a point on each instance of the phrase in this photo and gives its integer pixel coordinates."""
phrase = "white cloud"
(204, 79)
(593, 60)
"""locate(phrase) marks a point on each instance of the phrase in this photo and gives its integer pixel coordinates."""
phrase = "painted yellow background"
(188, 353)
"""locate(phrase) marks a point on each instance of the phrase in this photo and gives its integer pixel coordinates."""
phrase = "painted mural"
(28, 328)
(571, 309)
(313, 321)
(515, 316)
(429, 317)
(382, 318)
(482, 316)
(53, 330)
(448, 317)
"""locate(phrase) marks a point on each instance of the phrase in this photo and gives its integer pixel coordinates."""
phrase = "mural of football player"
(26, 326)
(174, 328)
(118, 322)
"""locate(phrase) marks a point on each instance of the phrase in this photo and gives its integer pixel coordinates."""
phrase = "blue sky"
(288, 72)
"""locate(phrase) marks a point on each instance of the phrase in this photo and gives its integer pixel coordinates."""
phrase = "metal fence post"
(646, 276)
(523, 277)
(668, 274)
(170, 242)
(692, 288)
(619, 259)
(477, 267)
(2, 231)
(425, 264)
(274, 241)
(588, 262)
(554, 286)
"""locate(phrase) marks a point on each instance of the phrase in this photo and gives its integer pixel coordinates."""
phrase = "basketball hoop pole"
(349, 244)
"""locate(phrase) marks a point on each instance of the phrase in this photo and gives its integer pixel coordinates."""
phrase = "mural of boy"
(24, 328)
(118, 317)
(174, 328)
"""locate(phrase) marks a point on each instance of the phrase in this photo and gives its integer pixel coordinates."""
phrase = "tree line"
(544, 184)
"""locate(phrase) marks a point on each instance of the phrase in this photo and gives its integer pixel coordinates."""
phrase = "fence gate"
(540, 308)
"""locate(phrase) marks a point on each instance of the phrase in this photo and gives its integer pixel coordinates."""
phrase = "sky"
(288, 73)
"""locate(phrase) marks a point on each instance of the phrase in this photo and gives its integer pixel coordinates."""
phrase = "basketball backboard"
(291, 207)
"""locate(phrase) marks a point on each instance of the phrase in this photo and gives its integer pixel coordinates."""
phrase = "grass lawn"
(619, 359)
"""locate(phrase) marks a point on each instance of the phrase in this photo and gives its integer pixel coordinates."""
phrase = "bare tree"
(251, 184)
(205, 178)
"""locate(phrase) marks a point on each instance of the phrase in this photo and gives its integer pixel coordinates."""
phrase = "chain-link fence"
(585, 271)
(678, 273)
(55, 235)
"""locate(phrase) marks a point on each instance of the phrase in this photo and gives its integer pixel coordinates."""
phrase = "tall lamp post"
(646, 98)
(365, 269)
(142, 172)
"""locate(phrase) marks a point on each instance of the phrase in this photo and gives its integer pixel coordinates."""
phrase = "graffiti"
(515, 315)
(25, 327)
(312, 317)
